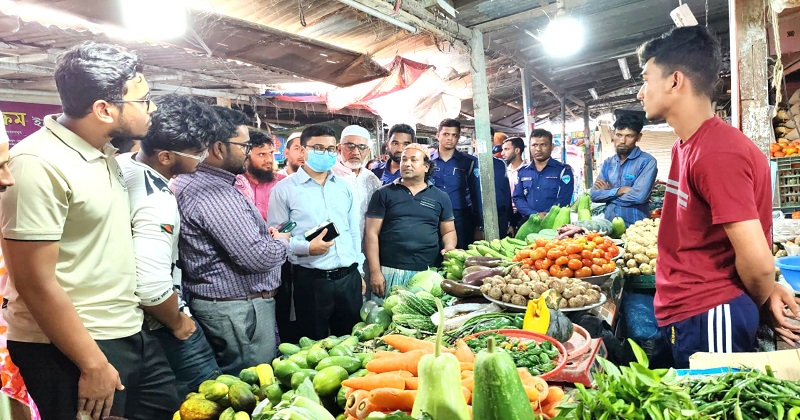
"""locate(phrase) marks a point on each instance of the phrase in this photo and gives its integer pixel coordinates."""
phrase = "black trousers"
(287, 329)
(326, 305)
(465, 227)
(52, 379)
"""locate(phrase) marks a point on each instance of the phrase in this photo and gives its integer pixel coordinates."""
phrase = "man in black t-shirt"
(405, 221)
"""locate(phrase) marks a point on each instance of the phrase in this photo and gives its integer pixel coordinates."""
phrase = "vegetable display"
(519, 287)
(641, 250)
(570, 257)
(537, 358)
(498, 391)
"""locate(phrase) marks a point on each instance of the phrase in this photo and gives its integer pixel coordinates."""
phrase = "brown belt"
(260, 295)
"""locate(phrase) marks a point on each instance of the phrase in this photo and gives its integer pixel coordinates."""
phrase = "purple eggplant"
(476, 279)
(483, 261)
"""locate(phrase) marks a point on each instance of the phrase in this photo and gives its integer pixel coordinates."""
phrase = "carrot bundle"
(393, 399)
(381, 380)
(405, 361)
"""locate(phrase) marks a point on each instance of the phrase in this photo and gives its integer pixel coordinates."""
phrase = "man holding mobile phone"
(327, 275)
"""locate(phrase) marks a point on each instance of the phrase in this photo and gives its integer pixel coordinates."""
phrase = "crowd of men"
(135, 277)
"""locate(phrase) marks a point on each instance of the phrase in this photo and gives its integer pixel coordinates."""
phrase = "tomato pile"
(784, 148)
(584, 256)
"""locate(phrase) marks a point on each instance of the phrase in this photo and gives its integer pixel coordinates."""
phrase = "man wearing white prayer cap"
(353, 154)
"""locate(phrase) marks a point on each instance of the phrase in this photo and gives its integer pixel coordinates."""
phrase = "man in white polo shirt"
(74, 323)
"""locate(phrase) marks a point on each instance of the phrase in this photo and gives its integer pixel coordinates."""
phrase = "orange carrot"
(467, 366)
(384, 353)
(466, 374)
(354, 400)
(365, 408)
(468, 383)
(536, 407)
(406, 361)
(540, 385)
(393, 399)
(402, 373)
(533, 394)
(467, 394)
(551, 411)
(407, 344)
(463, 352)
(554, 396)
(382, 380)
(349, 417)
(412, 383)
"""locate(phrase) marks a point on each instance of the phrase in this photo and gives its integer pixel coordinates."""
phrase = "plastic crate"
(788, 183)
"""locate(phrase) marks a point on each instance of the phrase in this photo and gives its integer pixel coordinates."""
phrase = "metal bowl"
(599, 280)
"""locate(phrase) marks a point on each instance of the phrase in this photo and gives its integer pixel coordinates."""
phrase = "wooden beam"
(749, 78)
(27, 68)
(483, 136)
(527, 103)
(184, 90)
(516, 18)
(588, 150)
(25, 59)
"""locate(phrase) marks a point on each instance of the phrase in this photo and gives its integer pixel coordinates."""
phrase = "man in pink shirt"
(256, 184)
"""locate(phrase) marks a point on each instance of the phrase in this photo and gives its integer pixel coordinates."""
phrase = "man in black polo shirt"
(405, 220)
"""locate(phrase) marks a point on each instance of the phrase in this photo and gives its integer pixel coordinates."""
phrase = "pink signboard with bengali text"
(22, 119)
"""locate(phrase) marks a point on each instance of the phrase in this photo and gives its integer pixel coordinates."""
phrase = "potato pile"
(641, 250)
(518, 288)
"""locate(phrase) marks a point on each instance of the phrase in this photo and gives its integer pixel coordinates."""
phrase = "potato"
(524, 290)
(495, 293)
(569, 293)
(506, 298)
(577, 302)
(486, 288)
(519, 300)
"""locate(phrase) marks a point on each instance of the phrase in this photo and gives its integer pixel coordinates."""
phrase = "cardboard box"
(785, 363)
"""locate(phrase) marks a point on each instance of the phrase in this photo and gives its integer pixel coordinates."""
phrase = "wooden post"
(588, 157)
(527, 105)
(483, 136)
(749, 78)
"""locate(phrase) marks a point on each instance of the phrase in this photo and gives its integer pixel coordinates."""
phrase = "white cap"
(355, 130)
(3, 134)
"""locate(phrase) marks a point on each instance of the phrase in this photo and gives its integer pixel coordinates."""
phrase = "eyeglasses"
(203, 155)
(353, 146)
(320, 149)
(146, 100)
(247, 146)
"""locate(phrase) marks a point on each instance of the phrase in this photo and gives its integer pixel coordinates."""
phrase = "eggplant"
(483, 261)
(474, 269)
(460, 290)
(476, 279)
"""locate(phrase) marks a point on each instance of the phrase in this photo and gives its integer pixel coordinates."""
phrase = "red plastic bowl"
(560, 362)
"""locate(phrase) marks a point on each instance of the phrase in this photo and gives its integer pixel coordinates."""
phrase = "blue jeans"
(192, 360)
(241, 332)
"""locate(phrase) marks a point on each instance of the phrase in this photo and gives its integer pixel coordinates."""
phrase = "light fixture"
(170, 21)
(564, 34)
(623, 66)
(593, 93)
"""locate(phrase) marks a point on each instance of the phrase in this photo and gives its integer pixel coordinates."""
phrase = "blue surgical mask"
(320, 162)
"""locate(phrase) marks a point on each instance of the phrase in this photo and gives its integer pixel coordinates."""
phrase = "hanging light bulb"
(563, 36)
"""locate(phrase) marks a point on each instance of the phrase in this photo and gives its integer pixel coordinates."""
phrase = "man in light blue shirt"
(626, 179)
(327, 275)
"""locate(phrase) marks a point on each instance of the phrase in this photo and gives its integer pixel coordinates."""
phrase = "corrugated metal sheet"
(657, 143)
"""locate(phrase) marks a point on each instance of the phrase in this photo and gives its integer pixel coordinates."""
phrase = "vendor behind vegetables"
(715, 270)
(626, 179)
(545, 181)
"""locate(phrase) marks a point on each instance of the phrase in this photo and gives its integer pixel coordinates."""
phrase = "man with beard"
(295, 155)
(259, 177)
(715, 269)
(545, 181)
(353, 152)
(512, 155)
(626, 179)
(74, 322)
(400, 136)
(231, 260)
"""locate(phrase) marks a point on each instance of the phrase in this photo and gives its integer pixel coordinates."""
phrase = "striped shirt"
(637, 172)
(225, 247)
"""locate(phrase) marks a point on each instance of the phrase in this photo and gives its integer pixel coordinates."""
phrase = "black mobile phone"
(286, 226)
(332, 233)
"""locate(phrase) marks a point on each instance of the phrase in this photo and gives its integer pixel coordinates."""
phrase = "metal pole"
(563, 129)
(483, 137)
(588, 154)
(527, 104)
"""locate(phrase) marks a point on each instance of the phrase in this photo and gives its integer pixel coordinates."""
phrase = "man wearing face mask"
(231, 260)
(353, 152)
(327, 275)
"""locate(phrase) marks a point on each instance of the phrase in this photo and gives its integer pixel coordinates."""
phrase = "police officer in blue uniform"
(545, 181)
(502, 191)
(456, 174)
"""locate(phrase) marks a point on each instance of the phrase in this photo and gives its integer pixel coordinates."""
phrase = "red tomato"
(597, 270)
(575, 265)
(586, 262)
(546, 263)
(567, 273)
(538, 265)
(539, 253)
(599, 240)
(583, 272)
(562, 260)
(608, 255)
(586, 254)
(554, 254)
(541, 242)
(573, 249)
(555, 270)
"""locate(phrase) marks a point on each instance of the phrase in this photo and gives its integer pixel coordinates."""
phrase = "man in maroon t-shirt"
(715, 269)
